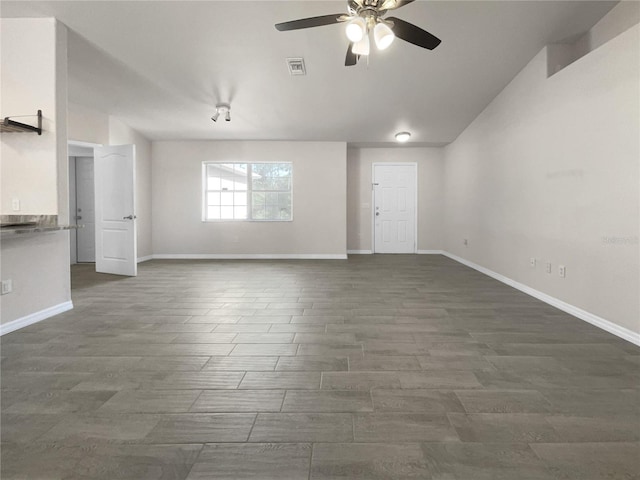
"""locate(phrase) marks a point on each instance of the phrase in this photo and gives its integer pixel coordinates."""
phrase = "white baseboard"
(588, 317)
(419, 252)
(249, 256)
(36, 317)
(145, 259)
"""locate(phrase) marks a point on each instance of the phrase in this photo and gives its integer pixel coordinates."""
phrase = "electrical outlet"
(532, 262)
(548, 267)
(15, 204)
(562, 271)
(7, 286)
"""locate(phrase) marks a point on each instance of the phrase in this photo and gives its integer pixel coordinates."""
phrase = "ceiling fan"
(365, 17)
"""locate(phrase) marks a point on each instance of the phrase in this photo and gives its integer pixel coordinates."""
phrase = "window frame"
(249, 191)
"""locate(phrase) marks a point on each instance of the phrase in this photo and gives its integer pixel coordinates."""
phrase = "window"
(247, 191)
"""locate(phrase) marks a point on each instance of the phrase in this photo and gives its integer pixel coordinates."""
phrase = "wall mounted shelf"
(9, 125)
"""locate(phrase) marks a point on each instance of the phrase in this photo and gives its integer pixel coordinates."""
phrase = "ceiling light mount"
(224, 110)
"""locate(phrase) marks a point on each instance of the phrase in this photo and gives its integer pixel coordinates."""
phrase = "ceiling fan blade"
(351, 58)
(393, 4)
(310, 22)
(412, 34)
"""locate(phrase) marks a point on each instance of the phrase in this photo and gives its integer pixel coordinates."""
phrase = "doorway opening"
(102, 201)
(82, 202)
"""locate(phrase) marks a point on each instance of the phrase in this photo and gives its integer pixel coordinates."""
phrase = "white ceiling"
(162, 66)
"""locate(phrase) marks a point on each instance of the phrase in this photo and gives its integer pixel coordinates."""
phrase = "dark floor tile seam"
(239, 383)
(195, 460)
(64, 418)
(195, 400)
(310, 460)
(353, 426)
(255, 419)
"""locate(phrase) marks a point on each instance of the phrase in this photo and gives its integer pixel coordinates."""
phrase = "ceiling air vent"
(296, 66)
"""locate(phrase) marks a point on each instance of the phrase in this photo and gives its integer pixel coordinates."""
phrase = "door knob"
(377, 214)
(78, 217)
(130, 217)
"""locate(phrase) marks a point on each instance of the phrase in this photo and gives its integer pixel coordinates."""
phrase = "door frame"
(373, 201)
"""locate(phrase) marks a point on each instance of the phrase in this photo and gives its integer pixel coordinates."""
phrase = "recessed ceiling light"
(403, 136)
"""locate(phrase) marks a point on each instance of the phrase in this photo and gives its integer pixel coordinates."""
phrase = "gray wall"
(550, 170)
(319, 200)
(430, 163)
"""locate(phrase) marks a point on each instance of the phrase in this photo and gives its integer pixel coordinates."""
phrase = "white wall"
(35, 168)
(550, 170)
(359, 200)
(87, 125)
(319, 200)
(28, 84)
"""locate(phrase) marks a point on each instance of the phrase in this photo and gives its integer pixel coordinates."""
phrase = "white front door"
(85, 210)
(114, 173)
(394, 207)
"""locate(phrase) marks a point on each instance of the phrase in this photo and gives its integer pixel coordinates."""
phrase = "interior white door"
(85, 210)
(115, 214)
(394, 220)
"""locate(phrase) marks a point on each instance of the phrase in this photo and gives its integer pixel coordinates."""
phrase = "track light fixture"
(223, 109)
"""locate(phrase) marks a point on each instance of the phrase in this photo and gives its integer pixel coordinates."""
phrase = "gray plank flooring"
(377, 367)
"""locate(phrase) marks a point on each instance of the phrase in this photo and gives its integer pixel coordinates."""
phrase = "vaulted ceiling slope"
(161, 66)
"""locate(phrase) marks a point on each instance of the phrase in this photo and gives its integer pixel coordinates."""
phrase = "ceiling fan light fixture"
(383, 35)
(356, 29)
(403, 137)
(362, 47)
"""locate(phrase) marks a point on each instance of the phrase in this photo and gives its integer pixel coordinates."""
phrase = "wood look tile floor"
(377, 367)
